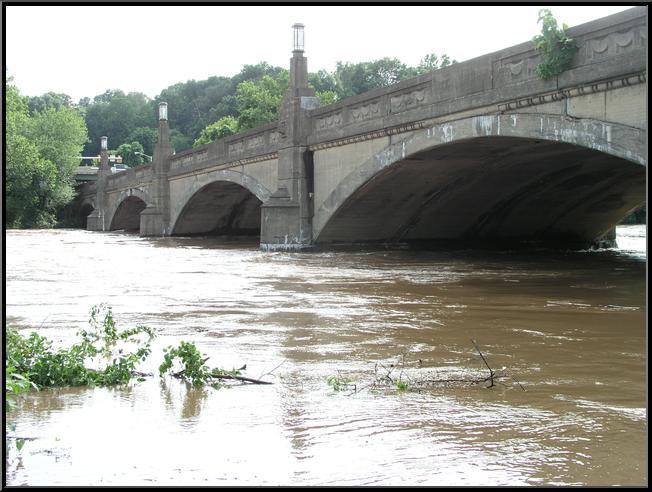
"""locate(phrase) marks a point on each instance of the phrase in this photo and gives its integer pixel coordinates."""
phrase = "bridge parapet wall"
(257, 144)
(611, 49)
(134, 176)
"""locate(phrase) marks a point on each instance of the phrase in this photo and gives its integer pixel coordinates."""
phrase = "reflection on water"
(570, 326)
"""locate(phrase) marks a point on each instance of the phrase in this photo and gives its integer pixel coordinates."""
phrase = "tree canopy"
(40, 159)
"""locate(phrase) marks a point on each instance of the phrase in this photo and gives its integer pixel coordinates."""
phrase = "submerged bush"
(102, 346)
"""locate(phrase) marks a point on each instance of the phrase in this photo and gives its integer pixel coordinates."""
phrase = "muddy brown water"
(570, 327)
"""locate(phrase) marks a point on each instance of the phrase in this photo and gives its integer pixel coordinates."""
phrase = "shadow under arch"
(225, 207)
(538, 178)
(127, 214)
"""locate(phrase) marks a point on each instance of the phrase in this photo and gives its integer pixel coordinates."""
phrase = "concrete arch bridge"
(478, 151)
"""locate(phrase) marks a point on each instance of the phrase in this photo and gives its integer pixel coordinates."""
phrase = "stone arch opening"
(490, 189)
(220, 208)
(127, 215)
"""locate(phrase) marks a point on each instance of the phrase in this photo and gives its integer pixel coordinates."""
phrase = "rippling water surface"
(567, 327)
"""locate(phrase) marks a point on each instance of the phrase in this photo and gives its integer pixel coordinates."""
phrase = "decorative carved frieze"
(236, 147)
(255, 142)
(273, 138)
(615, 43)
(329, 121)
(366, 111)
(186, 160)
(515, 69)
(408, 100)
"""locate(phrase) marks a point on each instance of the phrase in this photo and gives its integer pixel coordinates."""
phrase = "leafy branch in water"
(195, 369)
(557, 49)
(102, 346)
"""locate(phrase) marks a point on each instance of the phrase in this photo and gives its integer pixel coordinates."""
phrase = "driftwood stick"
(240, 378)
(517, 382)
(491, 372)
(270, 373)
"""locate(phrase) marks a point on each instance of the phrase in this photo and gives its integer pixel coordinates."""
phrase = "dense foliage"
(101, 357)
(40, 157)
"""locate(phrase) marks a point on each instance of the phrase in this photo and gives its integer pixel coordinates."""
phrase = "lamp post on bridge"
(96, 221)
(286, 218)
(155, 220)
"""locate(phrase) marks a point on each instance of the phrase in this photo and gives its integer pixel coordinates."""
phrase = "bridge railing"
(608, 48)
(130, 177)
(261, 142)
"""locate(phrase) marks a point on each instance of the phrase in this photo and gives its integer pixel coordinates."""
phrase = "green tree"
(223, 127)
(129, 154)
(258, 101)
(47, 101)
(116, 115)
(432, 62)
(322, 81)
(40, 160)
(179, 141)
(147, 137)
(557, 49)
(327, 97)
(356, 78)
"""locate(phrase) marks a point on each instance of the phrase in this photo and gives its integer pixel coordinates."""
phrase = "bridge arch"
(219, 202)
(529, 176)
(124, 212)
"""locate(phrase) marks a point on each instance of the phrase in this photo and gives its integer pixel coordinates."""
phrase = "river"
(568, 328)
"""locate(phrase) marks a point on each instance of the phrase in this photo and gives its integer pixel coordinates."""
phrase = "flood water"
(569, 328)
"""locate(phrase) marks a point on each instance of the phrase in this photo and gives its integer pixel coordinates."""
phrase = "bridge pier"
(97, 220)
(286, 218)
(155, 219)
(280, 228)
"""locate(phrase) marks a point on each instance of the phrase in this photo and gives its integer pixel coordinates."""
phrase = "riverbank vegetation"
(41, 149)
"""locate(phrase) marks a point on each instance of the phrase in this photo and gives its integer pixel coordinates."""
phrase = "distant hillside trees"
(250, 98)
